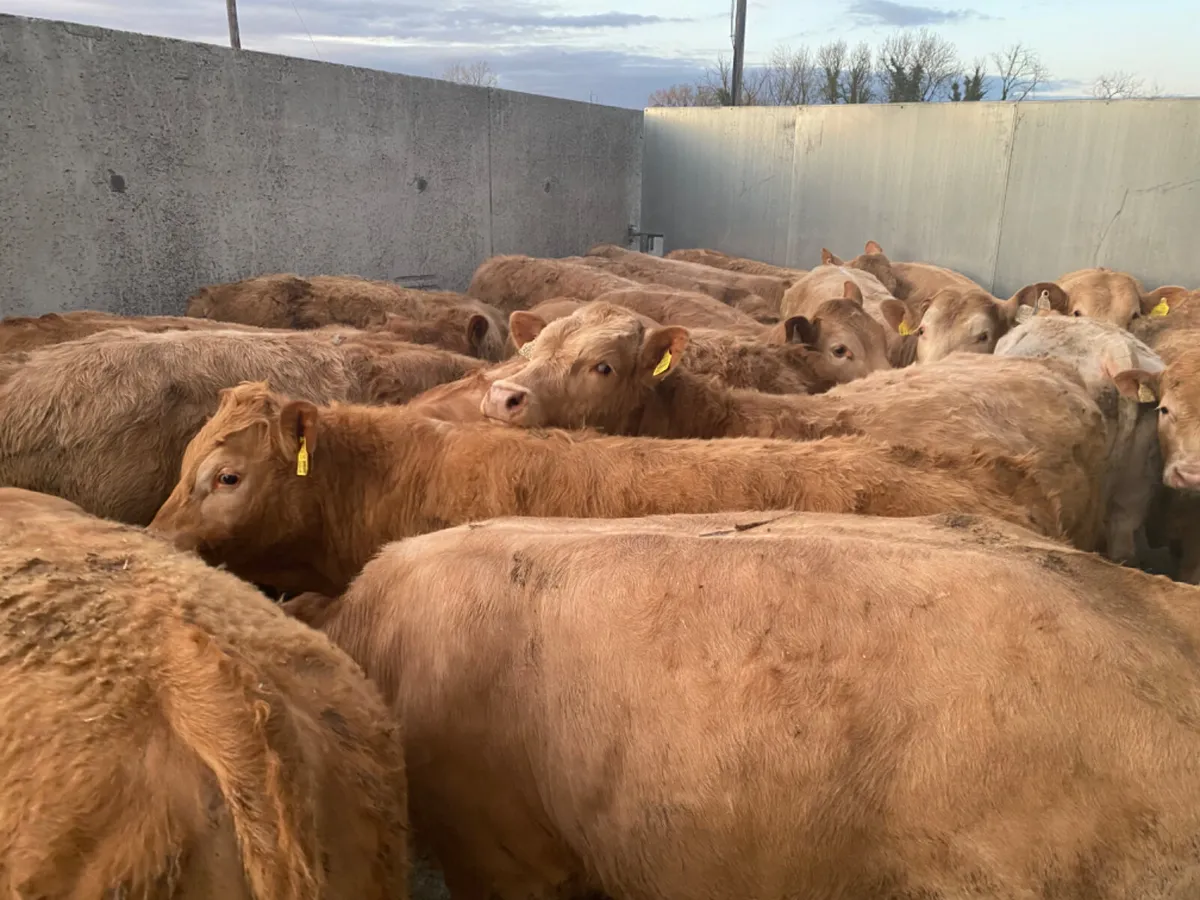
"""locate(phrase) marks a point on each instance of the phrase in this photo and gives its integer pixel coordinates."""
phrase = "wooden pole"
(235, 37)
(739, 46)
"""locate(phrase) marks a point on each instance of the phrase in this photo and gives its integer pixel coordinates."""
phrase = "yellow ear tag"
(904, 329)
(526, 349)
(302, 459)
(1161, 310)
(663, 364)
(1145, 395)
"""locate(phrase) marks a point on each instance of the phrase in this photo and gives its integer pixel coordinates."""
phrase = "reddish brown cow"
(377, 474)
(22, 333)
(719, 260)
(519, 282)
(768, 288)
(1115, 297)
(843, 327)
(104, 421)
(779, 361)
(912, 282)
(782, 705)
(165, 732)
(452, 321)
(1010, 407)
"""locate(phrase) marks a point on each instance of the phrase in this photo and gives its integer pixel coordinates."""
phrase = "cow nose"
(1182, 476)
(506, 402)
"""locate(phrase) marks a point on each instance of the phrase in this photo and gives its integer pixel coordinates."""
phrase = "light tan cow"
(785, 706)
(1101, 293)
(719, 260)
(165, 732)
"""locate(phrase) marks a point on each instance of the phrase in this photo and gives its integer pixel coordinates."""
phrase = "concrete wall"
(1007, 193)
(134, 169)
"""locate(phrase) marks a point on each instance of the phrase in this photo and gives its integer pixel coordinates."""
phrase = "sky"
(617, 52)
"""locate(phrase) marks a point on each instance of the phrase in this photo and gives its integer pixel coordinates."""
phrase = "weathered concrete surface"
(134, 168)
(1007, 193)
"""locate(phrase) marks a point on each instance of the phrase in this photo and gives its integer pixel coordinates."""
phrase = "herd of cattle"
(618, 575)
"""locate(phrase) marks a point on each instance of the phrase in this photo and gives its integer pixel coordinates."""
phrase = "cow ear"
(298, 429)
(1160, 300)
(872, 247)
(800, 330)
(893, 313)
(1139, 385)
(828, 259)
(524, 326)
(661, 350)
(851, 291)
(477, 329)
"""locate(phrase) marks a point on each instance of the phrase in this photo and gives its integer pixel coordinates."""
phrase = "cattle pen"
(699, 502)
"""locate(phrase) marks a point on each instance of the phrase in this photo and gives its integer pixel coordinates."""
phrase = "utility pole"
(235, 37)
(739, 47)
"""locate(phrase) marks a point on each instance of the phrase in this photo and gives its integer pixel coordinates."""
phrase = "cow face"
(1176, 392)
(592, 369)
(847, 341)
(246, 490)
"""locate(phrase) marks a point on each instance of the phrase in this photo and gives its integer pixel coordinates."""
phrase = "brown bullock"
(519, 282)
(1109, 296)
(719, 260)
(767, 287)
(452, 321)
(856, 333)
(376, 474)
(781, 365)
(23, 333)
(912, 282)
(165, 732)
(785, 705)
(104, 421)
(1008, 407)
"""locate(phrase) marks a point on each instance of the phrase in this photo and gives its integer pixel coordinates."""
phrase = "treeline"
(908, 67)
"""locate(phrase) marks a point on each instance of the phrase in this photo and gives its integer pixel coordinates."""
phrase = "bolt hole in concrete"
(546, 186)
(116, 183)
(420, 184)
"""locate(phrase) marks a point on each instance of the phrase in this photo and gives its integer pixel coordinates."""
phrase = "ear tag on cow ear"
(526, 349)
(904, 329)
(302, 459)
(1161, 310)
(1145, 395)
(1044, 300)
(664, 363)
(1024, 313)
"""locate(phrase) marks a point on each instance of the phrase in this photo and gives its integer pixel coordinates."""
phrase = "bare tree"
(1021, 72)
(831, 59)
(717, 87)
(478, 73)
(860, 73)
(917, 66)
(1123, 86)
(675, 95)
(790, 78)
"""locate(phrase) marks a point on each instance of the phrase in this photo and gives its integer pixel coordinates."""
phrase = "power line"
(306, 31)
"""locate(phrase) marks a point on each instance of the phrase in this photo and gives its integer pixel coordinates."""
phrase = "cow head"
(1176, 393)
(247, 489)
(847, 340)
(873, 261)
(592, 369)
(1109, 296)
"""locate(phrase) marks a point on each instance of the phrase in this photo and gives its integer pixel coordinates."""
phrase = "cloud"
(905, 15)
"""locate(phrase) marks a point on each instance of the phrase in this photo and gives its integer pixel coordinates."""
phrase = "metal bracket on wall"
(418, 282)
(646, 241)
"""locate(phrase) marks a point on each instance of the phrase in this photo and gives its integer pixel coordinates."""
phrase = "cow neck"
(686, 406)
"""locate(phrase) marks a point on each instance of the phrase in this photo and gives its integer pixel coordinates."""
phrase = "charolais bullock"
(165, 732)
(104, 421)
(1114, 297)
(783, 705)
(298, 497)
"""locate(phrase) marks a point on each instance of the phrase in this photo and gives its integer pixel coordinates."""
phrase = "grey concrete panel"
(565, 175)
(134, 169)
(924, 180)
(720, 178)
(1103, 184)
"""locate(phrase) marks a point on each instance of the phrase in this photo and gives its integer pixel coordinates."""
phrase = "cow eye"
(1077, 313)
(921, 331)
(228, 479)
(982, 339)
(1163, 411)
(841, 351)
(603, 369)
